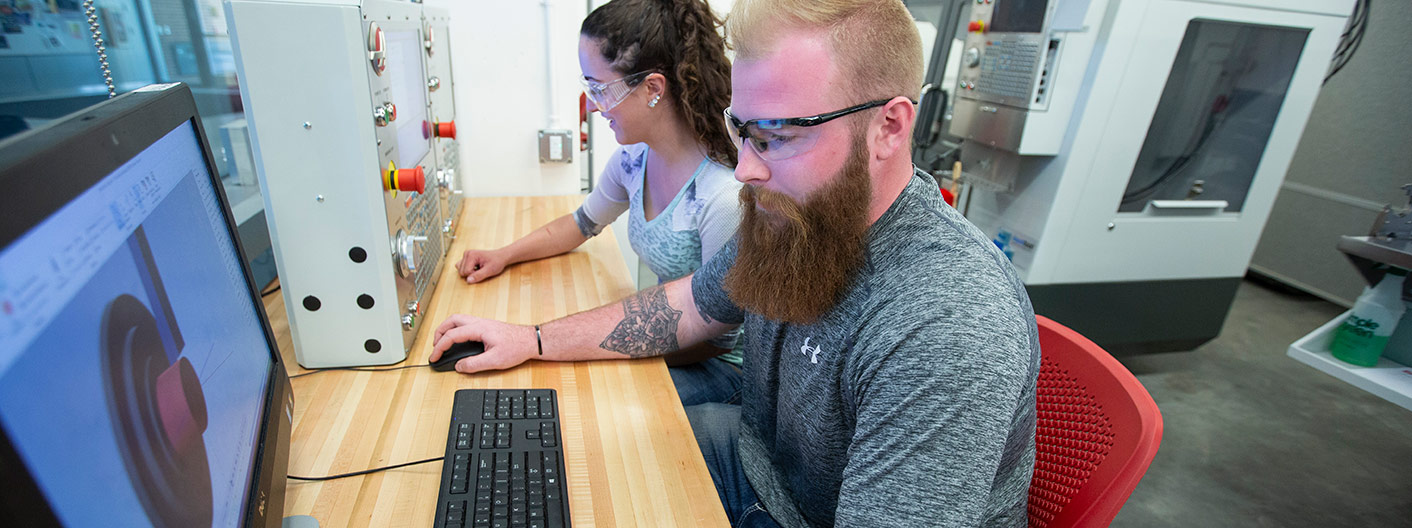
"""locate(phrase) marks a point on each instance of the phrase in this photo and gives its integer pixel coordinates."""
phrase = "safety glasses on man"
(607, 95)
(777, 139)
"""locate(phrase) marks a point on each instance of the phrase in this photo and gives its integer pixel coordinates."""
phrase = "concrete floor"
(1252, 437)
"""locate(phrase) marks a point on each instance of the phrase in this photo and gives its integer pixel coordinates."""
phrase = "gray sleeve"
(726, 341)
(936, 405)
(720, 217)
(706, 288)
(587, 226)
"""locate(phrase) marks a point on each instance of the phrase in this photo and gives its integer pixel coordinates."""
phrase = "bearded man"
(890, 350)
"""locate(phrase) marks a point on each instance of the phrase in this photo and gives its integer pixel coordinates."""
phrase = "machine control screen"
(408, 81)
(1019, 16)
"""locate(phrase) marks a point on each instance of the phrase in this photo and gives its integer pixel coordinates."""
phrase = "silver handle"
(412, 253)
(1189, 205)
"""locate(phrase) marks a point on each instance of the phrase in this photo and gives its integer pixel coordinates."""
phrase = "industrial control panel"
(338, 100)
(1004, 50)
(441, 91)
(1006, 66)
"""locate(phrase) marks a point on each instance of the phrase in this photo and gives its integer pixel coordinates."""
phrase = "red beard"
(795, 262)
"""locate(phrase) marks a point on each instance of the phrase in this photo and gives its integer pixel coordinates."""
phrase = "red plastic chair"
(1097, 432)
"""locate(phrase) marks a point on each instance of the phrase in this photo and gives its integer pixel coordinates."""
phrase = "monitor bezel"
(41, 173)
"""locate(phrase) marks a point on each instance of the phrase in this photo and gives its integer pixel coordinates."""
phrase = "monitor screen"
(408, 83)
(134, 363)
(1019, 16)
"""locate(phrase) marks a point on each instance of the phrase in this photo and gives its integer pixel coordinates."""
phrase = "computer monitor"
(140, 383)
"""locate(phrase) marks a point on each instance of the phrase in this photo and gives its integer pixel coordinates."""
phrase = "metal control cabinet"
(336, 97)
(442, 94)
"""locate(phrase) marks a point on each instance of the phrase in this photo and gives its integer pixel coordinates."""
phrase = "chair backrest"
(1096, 433)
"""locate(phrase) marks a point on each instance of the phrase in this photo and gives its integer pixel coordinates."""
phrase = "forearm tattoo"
(648, 328)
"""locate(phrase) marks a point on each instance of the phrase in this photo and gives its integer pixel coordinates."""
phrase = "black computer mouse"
(457, 351)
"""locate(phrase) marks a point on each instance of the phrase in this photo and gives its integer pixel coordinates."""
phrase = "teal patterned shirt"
(698, 222)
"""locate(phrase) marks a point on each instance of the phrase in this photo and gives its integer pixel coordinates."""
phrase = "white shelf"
(1388, 380)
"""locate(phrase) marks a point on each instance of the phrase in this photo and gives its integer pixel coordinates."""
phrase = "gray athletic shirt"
(912, 402)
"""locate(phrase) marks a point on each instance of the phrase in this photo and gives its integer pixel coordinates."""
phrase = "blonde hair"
(875, 42)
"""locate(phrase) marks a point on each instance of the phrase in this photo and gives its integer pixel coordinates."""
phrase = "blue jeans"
(717, 426)
(711, 381)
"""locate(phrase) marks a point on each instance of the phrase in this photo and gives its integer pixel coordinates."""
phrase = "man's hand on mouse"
(506, 345)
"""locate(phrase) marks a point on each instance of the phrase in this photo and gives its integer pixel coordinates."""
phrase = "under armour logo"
(812, 352)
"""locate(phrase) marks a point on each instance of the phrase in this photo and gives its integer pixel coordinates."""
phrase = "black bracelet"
(538, 340)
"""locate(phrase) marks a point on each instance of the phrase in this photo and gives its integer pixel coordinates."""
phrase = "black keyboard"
(504, 465)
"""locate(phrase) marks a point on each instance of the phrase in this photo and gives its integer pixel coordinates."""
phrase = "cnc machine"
(1125, 154)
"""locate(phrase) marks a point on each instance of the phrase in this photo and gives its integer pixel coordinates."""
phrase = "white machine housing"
(442, 94)
(1057, 169)
(335, 94)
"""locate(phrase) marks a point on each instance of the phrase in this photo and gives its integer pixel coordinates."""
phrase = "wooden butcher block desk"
(631, 459)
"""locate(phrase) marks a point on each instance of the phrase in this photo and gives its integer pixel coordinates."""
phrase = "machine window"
(1213, 122)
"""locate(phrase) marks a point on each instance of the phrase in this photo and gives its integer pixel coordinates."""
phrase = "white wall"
(498, 55)
(1351, 160)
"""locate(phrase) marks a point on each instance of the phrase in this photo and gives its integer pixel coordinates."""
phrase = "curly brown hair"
(679, 38)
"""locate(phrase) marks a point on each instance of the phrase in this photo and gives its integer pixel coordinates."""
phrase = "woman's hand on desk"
(506, 345)
(478, 264)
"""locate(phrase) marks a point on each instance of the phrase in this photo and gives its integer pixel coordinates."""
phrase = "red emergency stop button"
(445, 130)
(413, 179)
(407, 180)
(977, 26)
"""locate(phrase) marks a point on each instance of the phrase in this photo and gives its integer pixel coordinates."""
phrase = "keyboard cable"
(358, 369)
(366, 471)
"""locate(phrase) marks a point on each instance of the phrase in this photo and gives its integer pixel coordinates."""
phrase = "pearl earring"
(653, 102)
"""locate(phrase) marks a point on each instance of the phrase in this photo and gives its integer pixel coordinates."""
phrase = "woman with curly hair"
(657, 71)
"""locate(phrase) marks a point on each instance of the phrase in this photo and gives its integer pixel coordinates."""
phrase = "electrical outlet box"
(556, 146)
